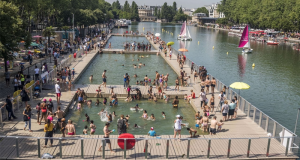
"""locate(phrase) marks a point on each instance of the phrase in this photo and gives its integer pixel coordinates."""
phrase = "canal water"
(274, 80)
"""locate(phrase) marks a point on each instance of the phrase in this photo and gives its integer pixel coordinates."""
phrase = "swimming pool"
(117, 42)
(113, 63)
(161, 126)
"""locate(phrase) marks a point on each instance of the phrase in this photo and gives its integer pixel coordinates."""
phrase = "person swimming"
(163, 115)
(136, 126)
(104, 101)
(87, 118)
(97, 102)
(136, 108)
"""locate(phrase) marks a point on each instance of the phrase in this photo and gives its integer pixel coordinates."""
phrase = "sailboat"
(245, 41)
(184, 33)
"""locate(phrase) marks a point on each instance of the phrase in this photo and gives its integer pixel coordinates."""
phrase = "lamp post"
(296, 121)
(105, 23)
(73, 29)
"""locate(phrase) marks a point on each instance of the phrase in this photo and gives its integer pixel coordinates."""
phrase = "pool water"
(112, 63)
(161, 126)
(117, 42)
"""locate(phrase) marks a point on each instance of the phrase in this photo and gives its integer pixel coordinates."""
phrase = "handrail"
(199, 138)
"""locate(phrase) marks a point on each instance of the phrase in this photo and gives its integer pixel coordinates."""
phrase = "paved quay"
(243, 127)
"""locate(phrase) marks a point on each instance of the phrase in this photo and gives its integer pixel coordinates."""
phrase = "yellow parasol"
(239, 86)
(170, 43)
(183, 50)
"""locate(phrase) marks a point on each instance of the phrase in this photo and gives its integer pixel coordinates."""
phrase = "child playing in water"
(97, 102)
(137, 83)
(78, 105)
(220, 124)
(163, 115)
(87, 118)
(85, 130)
(104, 101)
(89, 102)
(152, 117)
(154, 98)
(136, 126)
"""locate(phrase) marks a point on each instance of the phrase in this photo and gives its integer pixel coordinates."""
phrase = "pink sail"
(245, 38)
(183, 29)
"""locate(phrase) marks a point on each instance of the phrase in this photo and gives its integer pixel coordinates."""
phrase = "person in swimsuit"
(104, 78)
(104, 101)
(236, 108)
(163, 115)
(85, 130)
(207, 83)
(70, 128)
(213, 126)
(145, 115)
(156, 78)
(195, 75)
(220, 124)
(109, 117)
(197, 115)
(205, 123)
(152, 117)
(177, 84)
(107, 132)
(206, 109)
(212, 103)
(175, 102)
(213, 85)
(87, 118)
(166, 78)
(146, 80)
(93, 127)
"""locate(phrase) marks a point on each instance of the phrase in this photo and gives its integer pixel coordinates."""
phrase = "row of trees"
(275, 14)
(170, 13)
(17, 17)
(128, 12)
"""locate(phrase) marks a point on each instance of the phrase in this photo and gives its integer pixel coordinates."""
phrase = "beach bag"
(47, 156)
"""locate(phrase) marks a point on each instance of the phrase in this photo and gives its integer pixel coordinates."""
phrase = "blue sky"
(184, 3)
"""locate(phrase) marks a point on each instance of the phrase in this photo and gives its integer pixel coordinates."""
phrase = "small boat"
(231, 33)
(260, 39)
(184, 33)
(245, 41)
(272, 43)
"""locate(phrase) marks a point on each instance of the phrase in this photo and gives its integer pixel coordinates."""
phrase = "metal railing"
(155, 148)
(260, 118)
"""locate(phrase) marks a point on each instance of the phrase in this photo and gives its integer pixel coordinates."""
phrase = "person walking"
(225, 110)
(177, 127)
(202, 97)
(7, 78)
(107, 132)
(58, 92)
(8, 106)
(44, 113)
(24, 95)
(48, 129)
(27, 117)
(15, 83)
(37, 73)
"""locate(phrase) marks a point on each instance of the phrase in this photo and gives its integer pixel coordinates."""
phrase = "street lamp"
(104, 22)
(296, 121)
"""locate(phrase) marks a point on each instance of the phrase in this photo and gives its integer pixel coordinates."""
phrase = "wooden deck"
(242, 127)
(157, 148)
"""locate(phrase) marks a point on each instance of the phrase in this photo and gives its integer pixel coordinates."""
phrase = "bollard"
(103, 148)
(208, 150)
(39, 147)
(229, 145)
(146, 149)
(167, 150)
(248, 151)
(125, 148)
(17, 147)
(60, 148)
(188, 149)
(82, 149)
(268, 147)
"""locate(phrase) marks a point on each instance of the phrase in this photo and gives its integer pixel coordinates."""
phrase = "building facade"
(197, 16)
(213, 11)
(146, 12)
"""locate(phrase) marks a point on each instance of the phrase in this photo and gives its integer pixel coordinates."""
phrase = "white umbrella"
(157, 34)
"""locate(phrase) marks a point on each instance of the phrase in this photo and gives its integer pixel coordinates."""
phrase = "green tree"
(126, 7)
(11, 30)
(48, 32)
(201, 10)
(174, 7)
(180, 11)
(155, 11)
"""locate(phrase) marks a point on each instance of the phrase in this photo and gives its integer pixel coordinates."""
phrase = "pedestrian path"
(122, 51)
